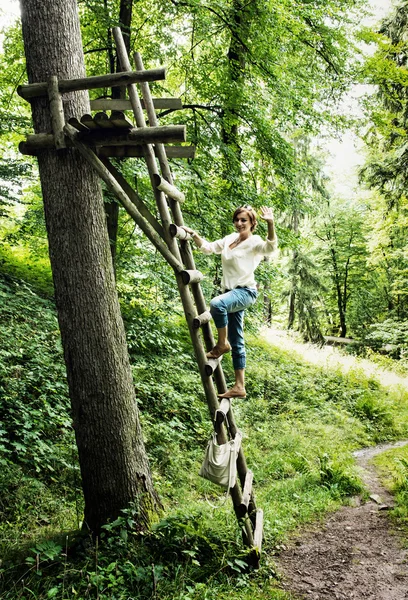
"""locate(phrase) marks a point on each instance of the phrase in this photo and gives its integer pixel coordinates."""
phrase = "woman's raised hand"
(266, 213)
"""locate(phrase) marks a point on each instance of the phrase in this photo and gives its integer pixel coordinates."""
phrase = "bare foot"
(218, 350)
(234, 392)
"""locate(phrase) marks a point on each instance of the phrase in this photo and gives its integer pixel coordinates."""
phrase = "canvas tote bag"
(220, 461)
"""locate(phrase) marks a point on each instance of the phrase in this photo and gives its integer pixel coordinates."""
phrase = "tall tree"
(114, 465)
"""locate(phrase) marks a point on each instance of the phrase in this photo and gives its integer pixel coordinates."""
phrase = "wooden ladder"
(100, 137)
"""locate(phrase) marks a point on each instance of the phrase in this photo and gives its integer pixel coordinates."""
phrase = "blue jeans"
(227, 310)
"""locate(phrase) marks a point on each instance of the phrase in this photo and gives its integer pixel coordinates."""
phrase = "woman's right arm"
(194, 235)
(205, 247)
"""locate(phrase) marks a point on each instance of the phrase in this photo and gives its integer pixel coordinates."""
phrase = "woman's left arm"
(267, 215)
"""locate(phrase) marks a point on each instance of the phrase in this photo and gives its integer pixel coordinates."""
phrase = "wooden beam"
(138, 136)
(37, 142)
(57, 112)
(170, 190)
(123, 198)
(33, 90)
(111, 104)
(246, 493)
(258, 532)
(134, 197)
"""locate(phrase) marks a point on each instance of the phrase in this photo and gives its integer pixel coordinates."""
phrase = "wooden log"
(77, 124)
(44, 141)
(113, 104)
(89, 123)
(123, 198)
(246, 493)
(33, 90)
(103, 121)
(190, 276)
(118, 119)
(221, 413)
(169, 189)
(134, 197)
(179, 232)
(138, 136)
(258, 532)
(147, 148)
(57, 112)
(137, 152)
(200, 320)
(211, 365)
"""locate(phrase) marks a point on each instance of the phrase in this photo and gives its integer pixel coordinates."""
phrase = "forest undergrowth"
(300, 423)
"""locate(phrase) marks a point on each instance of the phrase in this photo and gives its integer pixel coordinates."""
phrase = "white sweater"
(239, 264)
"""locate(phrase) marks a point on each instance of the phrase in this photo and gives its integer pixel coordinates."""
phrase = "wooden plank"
(57, 112)
(33, 90)
(119, 119)
(110, 104)
(246, 493)
(258, 532)
(170, 190)
(138, 136)
(103, 121)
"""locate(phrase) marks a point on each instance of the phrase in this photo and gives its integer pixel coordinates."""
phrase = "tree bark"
(113, 461)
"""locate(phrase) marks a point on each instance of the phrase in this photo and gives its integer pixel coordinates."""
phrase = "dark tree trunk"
(113, 461)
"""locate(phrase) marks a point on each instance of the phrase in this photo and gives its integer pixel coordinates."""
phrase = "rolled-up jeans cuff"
(238, 363)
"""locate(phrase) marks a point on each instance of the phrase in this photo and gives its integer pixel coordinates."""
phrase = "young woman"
(241, 252)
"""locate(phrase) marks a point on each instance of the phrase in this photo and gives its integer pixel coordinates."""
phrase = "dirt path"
(355, 554)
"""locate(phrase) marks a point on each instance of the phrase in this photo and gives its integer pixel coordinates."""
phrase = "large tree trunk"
(113, 461)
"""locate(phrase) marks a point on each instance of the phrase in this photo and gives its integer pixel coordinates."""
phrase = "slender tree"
(113, 461)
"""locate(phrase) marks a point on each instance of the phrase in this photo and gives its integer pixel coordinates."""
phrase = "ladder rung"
(222, 411)
(201, 319)
(191, 276)
(246, 493)
(258, 532)
(211, 365)
(170, 190)
(178, 232)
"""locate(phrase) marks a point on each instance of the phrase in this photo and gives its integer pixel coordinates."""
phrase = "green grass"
(300, 425)
(393, 469)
